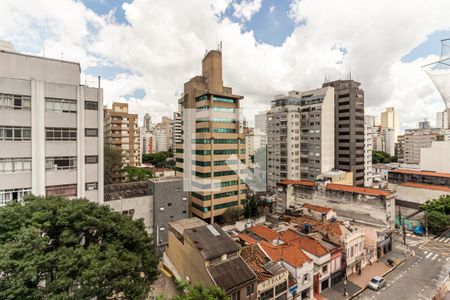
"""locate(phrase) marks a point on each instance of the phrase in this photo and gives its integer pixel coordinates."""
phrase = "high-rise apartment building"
(163, 134)
(368, 147)
(147, 122)
(300, 135)
(177, 129)
(442, 120)
(51, 129)
(261, 122)
(122, 132)
(213, 142)
(349, 128)
(390, 119)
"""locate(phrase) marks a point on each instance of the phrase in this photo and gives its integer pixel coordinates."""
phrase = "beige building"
(213, 149)
(390, 119)
(300, 138)
(442, 120)
(122, 132)
(162, 133)
(51, 137)
(337, 176)
(436, 157)
(205, 255)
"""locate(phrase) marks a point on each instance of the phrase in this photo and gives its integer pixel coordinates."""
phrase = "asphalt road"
(420, 275)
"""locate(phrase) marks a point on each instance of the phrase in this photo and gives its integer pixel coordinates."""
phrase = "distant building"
(261, 122)
(122, 132)
(390, 119)
(147, 122)
(337, 176)
(300, 143)
(442, 119)
(204, 254)
(163, 134)
(51, 129)
(253, 142)
(349, 128)
(368, 148)
(177, 130)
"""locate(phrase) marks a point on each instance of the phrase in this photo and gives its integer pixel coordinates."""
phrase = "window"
(266, 295)
(91, 132)
(225, 141)
(223, 99)
(325, 269)
(129, 212)
(282, 287)
(225, 151)
(201, 152)
(91, 159)
(200, 208)
(61, 163)
(90, 105)
(250, 289)
(15, 133)
(60, 134)
(91, 186)
(236, 296)
(68, 190)
(224, 130)
(60, 105)
(224, 173)
(226, 162)
(15, 165)
(13, 195)
(201, 141)
(9, 101)
(201, 175)
(225, 194)
(225, 205)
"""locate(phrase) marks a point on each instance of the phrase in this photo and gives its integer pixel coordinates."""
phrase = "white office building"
(50, 142)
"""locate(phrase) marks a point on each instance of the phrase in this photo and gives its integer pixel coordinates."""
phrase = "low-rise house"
(318, 212)
(299, 265)
(272, 278)
(204, 254)
(316, 252)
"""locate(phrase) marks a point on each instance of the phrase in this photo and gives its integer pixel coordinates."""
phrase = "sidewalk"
(378, 268)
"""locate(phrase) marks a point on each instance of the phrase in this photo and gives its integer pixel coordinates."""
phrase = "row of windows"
(216, 120)
(225, 183)
(60, 105)
(225, 194)
(60, 134)
(206, 129)
(13, 195)
(201, 152)
(201, 197)
(201, 98)
(224, 130)
(201, 163)
(201, 175)
(226, 162)
(61, 163)
(68, 190)
(225, 141)
(223, 99)
(15, 133)
(224, 173)
(9, 101)
(225, 205)
(229, 151)
(201, 208)
(217, 108)
(15, 165)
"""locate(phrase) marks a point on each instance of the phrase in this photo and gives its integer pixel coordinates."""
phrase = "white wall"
(436, 158)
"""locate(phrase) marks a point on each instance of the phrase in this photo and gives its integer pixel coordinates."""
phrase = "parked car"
(377, 283)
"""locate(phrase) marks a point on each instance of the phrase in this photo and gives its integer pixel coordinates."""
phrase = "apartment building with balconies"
(300, 135)
(50, 142)
(122, 132)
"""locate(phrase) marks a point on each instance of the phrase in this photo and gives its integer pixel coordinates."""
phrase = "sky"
(145, 50)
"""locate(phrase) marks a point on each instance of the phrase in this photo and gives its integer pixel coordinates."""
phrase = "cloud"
(163, 42)
(245, 9)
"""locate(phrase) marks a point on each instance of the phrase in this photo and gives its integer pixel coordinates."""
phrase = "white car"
(377, 283)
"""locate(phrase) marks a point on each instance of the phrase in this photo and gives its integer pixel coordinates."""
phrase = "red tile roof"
(325, 227)
(318, 208)
(264, 232)
(292, 255)
(255, 259)
(357, 190)
(304, 242)
(418, 172)
(298, 182)
(426, 186)
(246, 238)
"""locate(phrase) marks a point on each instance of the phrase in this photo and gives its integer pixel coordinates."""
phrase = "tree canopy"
(198, 292)
(438, 214)
(55, 248)
(159, 159)
(382, 157)
(137, 174)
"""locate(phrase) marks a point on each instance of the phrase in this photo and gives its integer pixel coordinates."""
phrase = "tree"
(198, 292)
(232, 214)
(55, 248)
(159, 159)
(112, 162)
(437, 213)
(382, 157)
(250, 207)
(137, 174)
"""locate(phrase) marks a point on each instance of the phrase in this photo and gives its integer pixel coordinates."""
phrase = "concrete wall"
(143, 207)
(416, 195)
(436, 158)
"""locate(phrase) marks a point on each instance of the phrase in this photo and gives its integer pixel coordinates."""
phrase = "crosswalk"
(442, 239)
(433, 256)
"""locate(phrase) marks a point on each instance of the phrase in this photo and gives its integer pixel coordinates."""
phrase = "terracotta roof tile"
(318, 208)
(288, 253)
(325, 227)
(264, 232)
(304, 242)
(298, 182)
(426, 186)
(358, 190)
(255, 258)
(246, 238)
(418, 172)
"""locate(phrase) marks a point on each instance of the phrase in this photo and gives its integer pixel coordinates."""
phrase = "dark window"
(91, 132)
(91, 105)
(91, 159)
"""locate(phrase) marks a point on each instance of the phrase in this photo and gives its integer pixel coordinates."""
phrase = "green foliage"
(159, 159)
(437, 214)
(198, 292)
(251, 207)
(382, 157)
(112, 162)
(55, 248)
(231, 215)
(137, 174)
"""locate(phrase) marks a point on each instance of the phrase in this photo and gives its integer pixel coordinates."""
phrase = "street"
(420, 275)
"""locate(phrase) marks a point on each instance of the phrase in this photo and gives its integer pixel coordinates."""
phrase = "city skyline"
(100, 34)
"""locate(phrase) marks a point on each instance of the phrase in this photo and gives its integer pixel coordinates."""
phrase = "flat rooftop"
(423, 173)
(126, 190)
(232, 274)
(183, 224)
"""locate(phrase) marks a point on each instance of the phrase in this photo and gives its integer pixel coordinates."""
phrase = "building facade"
(213, 135)
(390, 119)
(122, 133)
(349, 128)
(368, 148)
(51, 137)
(300, 138)
(261, 122)
(442, 120)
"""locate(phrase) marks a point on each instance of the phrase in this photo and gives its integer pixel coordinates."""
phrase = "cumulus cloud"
(163, 42)
(246, 9)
